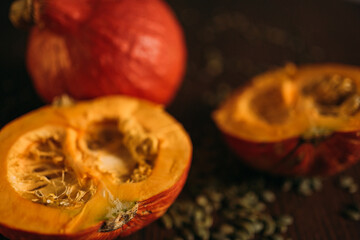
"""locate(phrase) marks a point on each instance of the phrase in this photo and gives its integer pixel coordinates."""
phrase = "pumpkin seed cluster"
(347, 183)
(303, 186)
(233, 212)
(350, 211)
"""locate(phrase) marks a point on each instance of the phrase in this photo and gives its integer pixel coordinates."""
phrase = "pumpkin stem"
(21, 13)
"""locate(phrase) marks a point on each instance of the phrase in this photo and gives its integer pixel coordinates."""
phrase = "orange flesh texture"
(274, 106)
(172, 160)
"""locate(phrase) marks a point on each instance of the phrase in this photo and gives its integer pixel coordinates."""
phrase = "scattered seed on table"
(287, 185)
(203, 233)
(305, 187)
(268, 196)
(227, 229)
(317, 184)
(269, 225)
(353, 188)
(167, 221)
(231, 215)
(352, 212)
(277, 237)
(242, 234)
(219, 236)
(346, 181)
(285, 220)
(199, 215)
(260, 206)
(187, 234)
(241, 214)
(282, 229)
(352, 215)
(202, 201)
(258, 226)
(215, 196)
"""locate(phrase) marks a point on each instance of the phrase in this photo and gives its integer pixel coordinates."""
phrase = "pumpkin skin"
(313, 139)
(25, 219)
(87, 49)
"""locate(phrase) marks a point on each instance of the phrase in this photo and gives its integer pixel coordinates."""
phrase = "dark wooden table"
(228, 42)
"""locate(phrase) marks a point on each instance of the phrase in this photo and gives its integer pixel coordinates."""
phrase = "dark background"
(228, 43)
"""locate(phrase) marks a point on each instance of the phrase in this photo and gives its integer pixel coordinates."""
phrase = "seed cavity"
(42, 174)
(121, 149)
(61, 167)
(334, 94)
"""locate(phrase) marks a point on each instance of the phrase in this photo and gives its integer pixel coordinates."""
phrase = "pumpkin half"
(296, 120)
(92, 170)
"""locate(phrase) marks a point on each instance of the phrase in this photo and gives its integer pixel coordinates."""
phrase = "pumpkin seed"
(285, 220)
(208, 222)
(258, 226)
(231, 215)
(227, 229)
(346, 181)
(277, 237)
(287, 185)
(269, 225)
(220, 236)
(352, 215)
(260, 206)
(167, 221)
(353, 188)
(248, 227)
(268, 196)
(305, 187)
(242, 214)
(242, 234)
(202, 201)
(282, 229)
(203, 233)
(187, 234)
(317, 184)
(215, 196)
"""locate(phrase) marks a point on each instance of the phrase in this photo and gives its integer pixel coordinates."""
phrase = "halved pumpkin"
(296, 120)
(93, 170)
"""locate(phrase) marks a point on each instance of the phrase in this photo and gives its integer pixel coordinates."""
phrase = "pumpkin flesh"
(91, 164)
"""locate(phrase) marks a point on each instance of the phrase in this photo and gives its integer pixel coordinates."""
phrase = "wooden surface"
(230, 41)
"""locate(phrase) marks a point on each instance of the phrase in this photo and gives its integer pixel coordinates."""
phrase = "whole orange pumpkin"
(91, 48)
